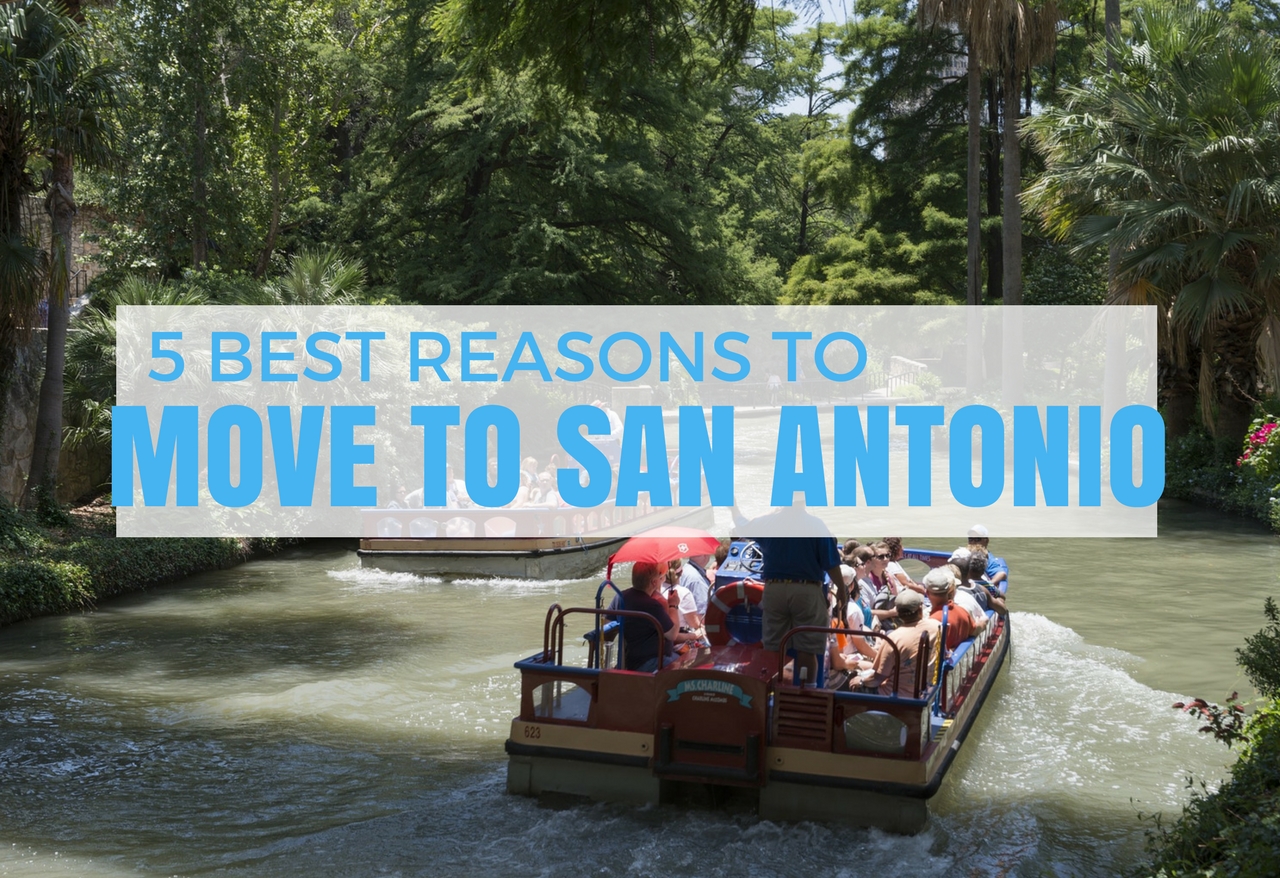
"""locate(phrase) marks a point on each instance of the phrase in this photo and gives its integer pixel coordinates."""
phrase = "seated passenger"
(640, 640)
(690, 619)
(997, 569)
(906, 637)
(942, 590)
(988, 595)
(893, 570)
(964, 595)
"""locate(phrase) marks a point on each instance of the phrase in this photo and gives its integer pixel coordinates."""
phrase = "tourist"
(893, 569)
(988, 595)
(942, 588)
(997, 569)
(695, 578)
(879, 673)
(640, 640)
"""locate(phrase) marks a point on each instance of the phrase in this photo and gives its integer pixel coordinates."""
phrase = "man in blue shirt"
(997, 568)
(799, 552)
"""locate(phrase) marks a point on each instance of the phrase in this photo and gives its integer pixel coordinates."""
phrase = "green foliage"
(45, 570)
(1262, 449)
(905, 242)
(1200, 469)
(1260, 657)
(35, 587)
(1056, 277)
(1235, 830)
(17, 535)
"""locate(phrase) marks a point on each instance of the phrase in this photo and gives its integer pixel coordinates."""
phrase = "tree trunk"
(42, 481)
(1012, 213)
(199, 193)
(995, 262)
(974, 171)
(1235, 345)
(273, 227)
(1111, 11)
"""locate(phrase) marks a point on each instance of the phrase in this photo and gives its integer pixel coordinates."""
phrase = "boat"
(723, 720)
(528, 543)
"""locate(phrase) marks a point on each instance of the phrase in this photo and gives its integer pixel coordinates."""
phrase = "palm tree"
(1173, 160)
(24, 61)
(91, 356)
(315, 277)
(1010, 36)
(72, 118)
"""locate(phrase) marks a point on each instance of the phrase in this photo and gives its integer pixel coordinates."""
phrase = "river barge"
(529, 543)
(724, 718)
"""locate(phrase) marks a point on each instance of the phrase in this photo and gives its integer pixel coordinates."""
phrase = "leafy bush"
(1054, 276)
(1199, 469)
(37, 586)
(1260, 656)
(1236, 830)
(44, 572)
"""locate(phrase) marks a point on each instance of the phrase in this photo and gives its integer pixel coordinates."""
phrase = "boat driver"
(793, 571)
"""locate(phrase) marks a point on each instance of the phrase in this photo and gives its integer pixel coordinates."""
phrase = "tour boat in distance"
(724, 718)
(529, 543)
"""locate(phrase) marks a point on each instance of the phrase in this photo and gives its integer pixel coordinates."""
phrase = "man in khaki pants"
(793, 572)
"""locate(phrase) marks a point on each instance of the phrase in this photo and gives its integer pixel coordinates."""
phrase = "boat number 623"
(533, 731)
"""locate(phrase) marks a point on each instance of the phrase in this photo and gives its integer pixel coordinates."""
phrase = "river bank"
(49, 568)
(1202, 470)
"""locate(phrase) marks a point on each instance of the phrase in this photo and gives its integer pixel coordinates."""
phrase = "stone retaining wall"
(79, 472)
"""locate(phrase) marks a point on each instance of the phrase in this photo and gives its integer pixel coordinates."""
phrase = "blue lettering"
(646, 357)
(820, 360)
(345, 454)
(435, 421)
(580, 448)
(667, 346)
(643, 424)
(179, 438)
(219, 355)
(562, 346)
(920, 421)
(722, 350)
(811, 479)
(469, 356)
(991, 425)
(699, 455)
(296, 475)
(1034, 450)
(1122, 425)
(856, 455)
(504, 421)
(1090, 455)
(269, 356)
(365, 338)
(791, 338)
(527, 343)
(334, 362)
(417, 361)
(246, 421)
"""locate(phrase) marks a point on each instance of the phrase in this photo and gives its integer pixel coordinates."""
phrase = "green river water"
(301, 716)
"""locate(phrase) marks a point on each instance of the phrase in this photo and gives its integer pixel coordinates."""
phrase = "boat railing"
(897, 655)
(553, 634)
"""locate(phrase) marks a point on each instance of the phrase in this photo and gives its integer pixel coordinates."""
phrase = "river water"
(300, 716)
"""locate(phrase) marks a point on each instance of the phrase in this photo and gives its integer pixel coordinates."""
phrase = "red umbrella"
(665, 544)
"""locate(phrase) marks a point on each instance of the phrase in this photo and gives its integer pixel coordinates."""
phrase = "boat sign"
(717, 687)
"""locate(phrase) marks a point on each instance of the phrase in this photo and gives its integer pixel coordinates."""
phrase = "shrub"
(34, 587)
(1236, 830)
